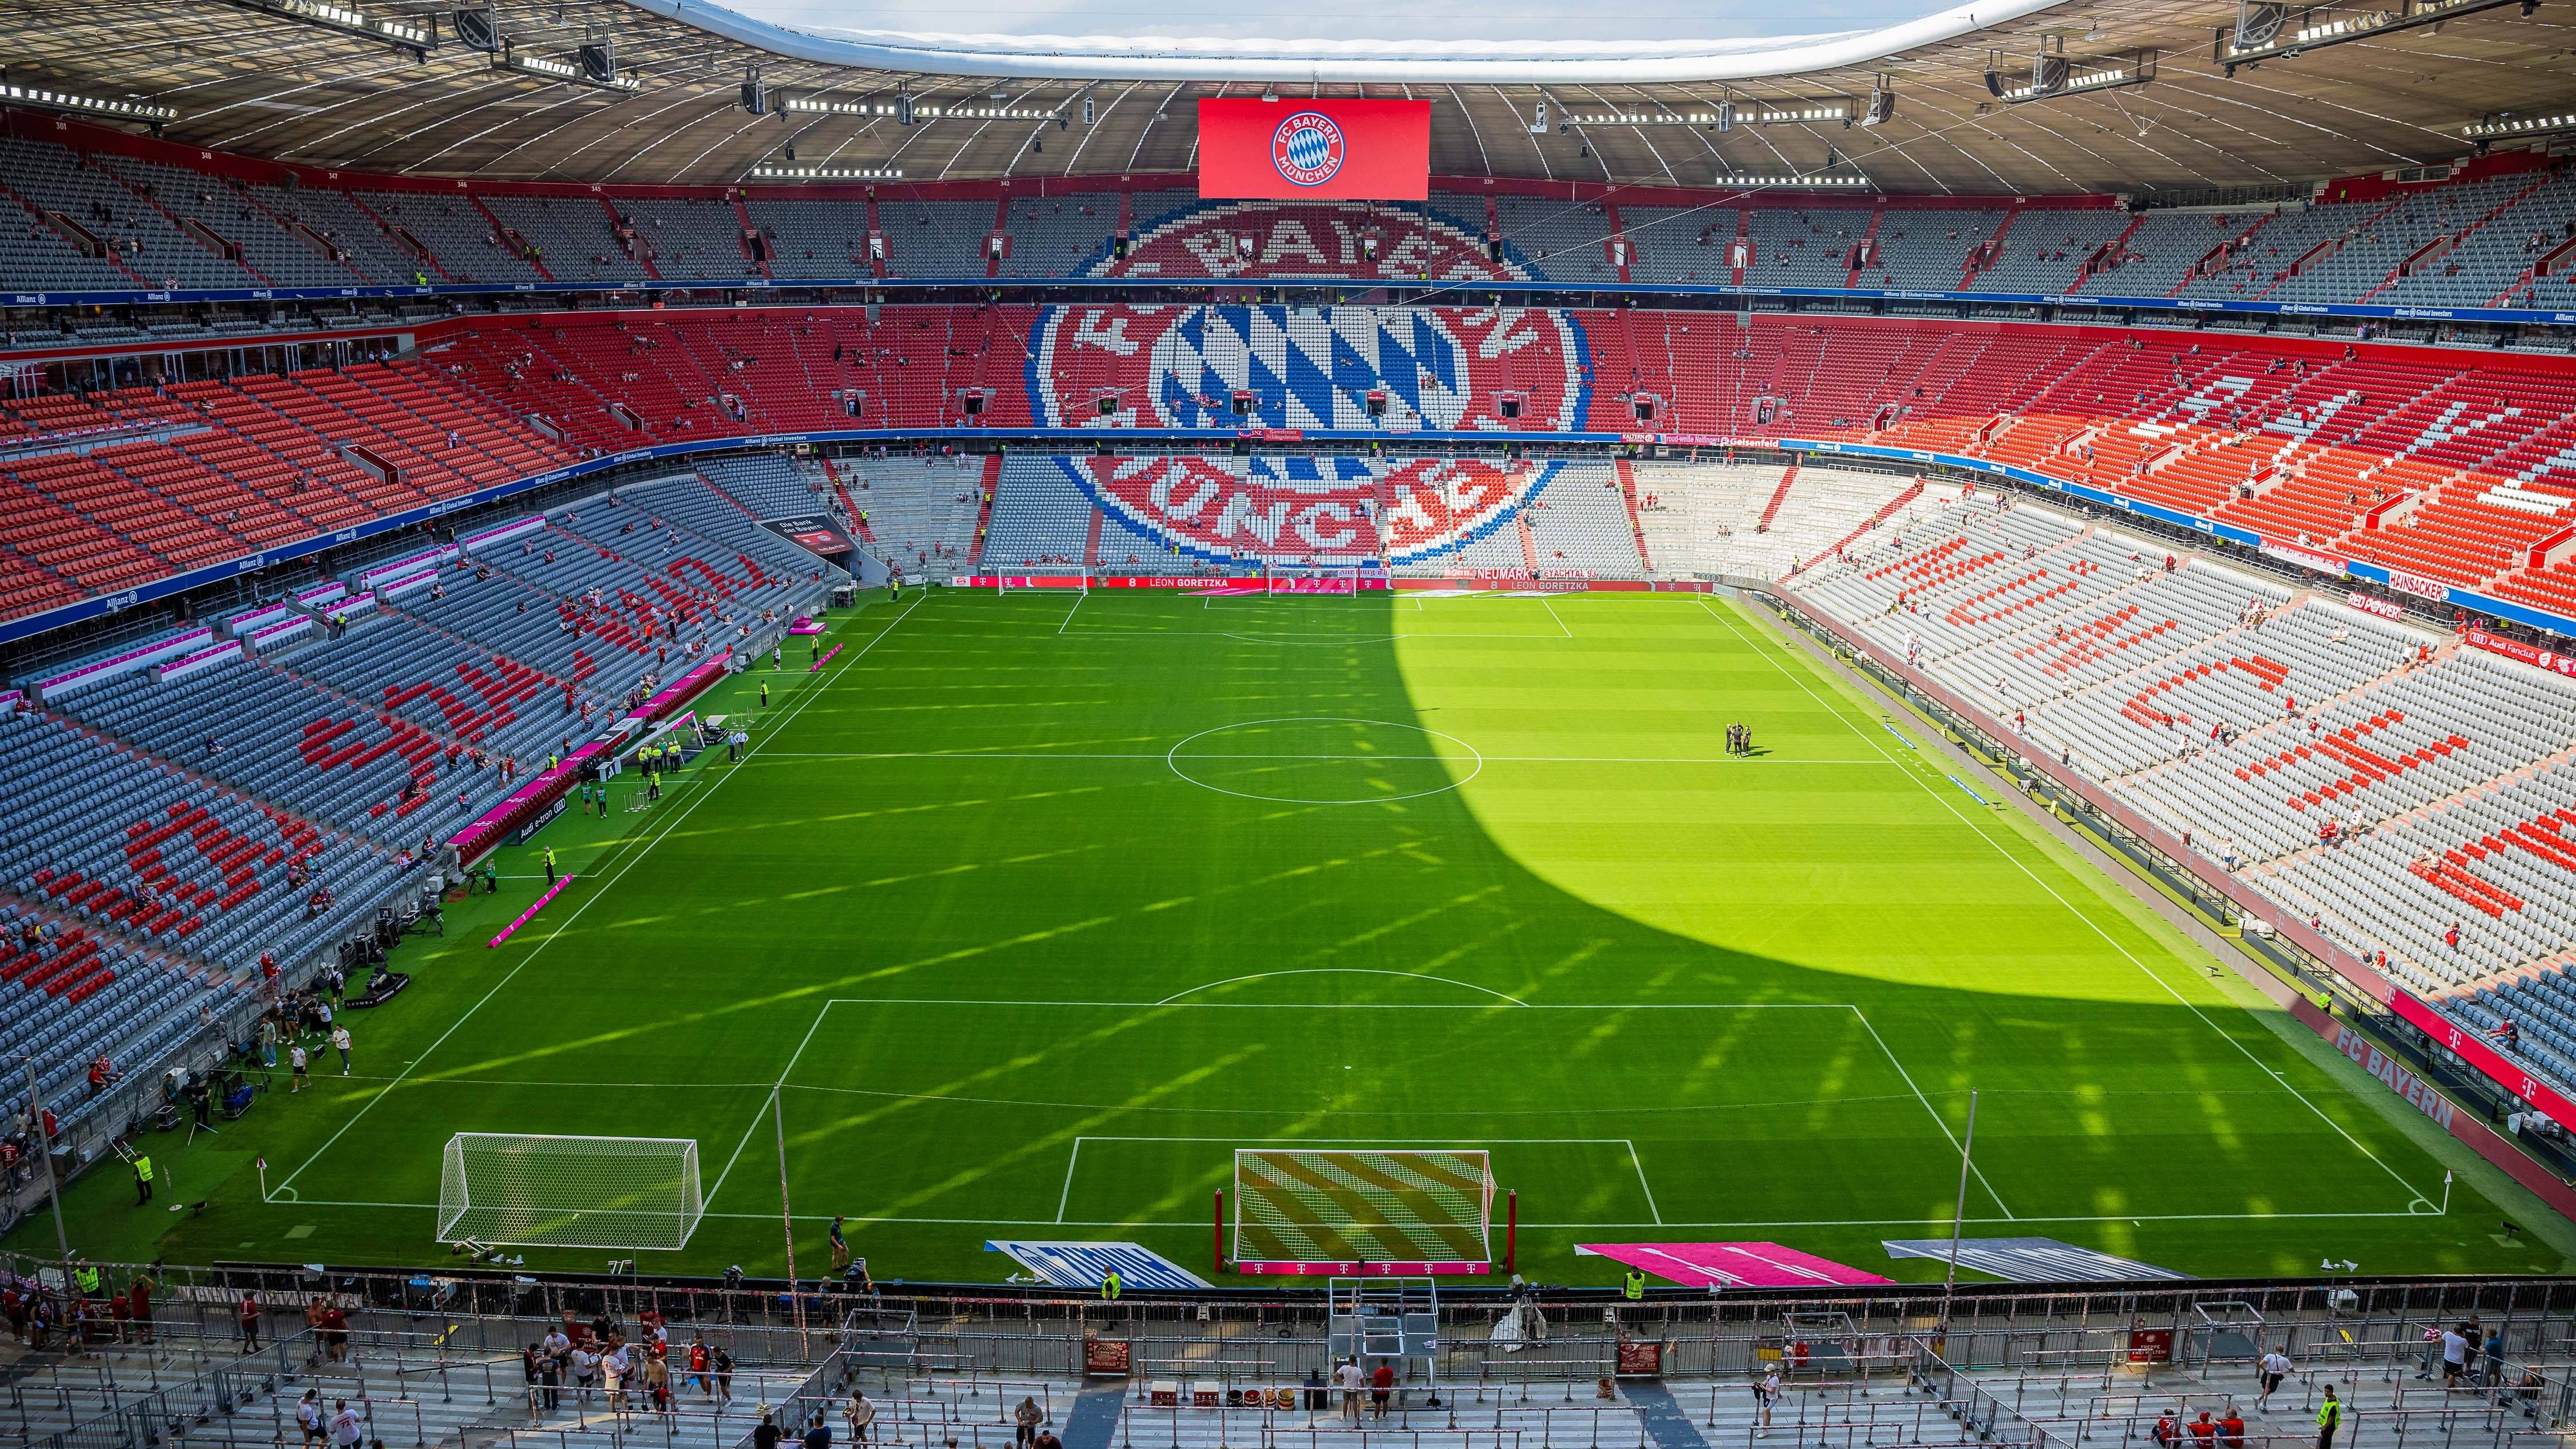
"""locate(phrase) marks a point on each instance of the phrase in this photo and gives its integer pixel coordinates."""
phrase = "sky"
(1615, 20)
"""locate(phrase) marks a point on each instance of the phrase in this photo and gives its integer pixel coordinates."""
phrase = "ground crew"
(2329, 1415)
(1111, 1286)
(142, 1179)
(1636, 1286)
(85, 1278)
(764, 694)
(550, 867)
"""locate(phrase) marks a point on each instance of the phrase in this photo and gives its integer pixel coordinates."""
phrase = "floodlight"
(413, 36)
(52, 100)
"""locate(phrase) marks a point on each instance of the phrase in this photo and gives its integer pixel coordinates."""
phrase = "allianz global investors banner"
(1315, 150)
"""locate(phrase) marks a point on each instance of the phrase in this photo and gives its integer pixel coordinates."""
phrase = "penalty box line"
(1075, 1157)
(777, 1097)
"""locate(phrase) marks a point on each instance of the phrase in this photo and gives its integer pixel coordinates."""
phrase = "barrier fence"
(967, 1332)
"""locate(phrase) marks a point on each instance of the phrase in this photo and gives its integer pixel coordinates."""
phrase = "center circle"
(1323, 760)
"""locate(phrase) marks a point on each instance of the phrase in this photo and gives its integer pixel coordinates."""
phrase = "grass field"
(1034, 907)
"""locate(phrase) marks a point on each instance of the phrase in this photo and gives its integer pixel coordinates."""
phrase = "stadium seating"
(914, 511)
(2403, 792)
(1059, 236)
(767, 484)
(2449, 465)
(106, 220)
(163, 818)
(575, 238)
(936, 238)
(689, 241)
(85, 200)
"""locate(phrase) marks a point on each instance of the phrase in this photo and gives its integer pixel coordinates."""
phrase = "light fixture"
(1724, 117)
(582, 73)
(2505, 128)
(826, 173)
(1816, 181)
(902, 107)
(2264, 31)
(2075, 78)
(1882, 106)
(53, 100)
(413, 36)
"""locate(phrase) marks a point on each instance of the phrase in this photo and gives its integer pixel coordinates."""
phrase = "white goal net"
(569, 1192)
(1347, 1206)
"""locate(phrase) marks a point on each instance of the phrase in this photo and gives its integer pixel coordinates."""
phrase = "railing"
(996, 1335)
(1974, 1405)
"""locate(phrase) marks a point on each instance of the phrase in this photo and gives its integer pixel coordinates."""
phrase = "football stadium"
(724, 724)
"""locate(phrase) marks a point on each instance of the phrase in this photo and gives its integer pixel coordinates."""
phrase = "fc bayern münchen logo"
(1307, 148)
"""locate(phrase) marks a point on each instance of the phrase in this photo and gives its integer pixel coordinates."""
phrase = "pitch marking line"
(604, 888)
(1332, 971)
(2088, 922)
(1149, 755)
(1451, 1143)
(1937, 1120)
(778, 1099)
(1201, 1224)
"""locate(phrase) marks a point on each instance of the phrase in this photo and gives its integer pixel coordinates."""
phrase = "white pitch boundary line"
(1078, 596)
(777, 1098)
(1175, 997)
(2089, 923)
(1065, 1199)
(1550, 606)
(1142, 755)
(1201, 1223)
(1955, 1144)
(1355, 1005)
(588, 900)
(1642, 1185)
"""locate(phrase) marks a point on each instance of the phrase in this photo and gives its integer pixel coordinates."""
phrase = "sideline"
(588, 899)
(2243, 975)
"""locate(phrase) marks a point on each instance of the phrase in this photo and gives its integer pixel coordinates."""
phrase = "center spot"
(1321, 760)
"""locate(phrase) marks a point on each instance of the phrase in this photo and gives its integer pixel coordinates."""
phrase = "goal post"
(549, 1191)
(1355, 1211)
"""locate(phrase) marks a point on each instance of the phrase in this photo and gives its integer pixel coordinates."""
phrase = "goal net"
(1426, 1211)
(569, 1192)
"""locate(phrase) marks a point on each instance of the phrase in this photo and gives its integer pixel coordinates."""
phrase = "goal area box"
(1353, 1212)
(528, 1190)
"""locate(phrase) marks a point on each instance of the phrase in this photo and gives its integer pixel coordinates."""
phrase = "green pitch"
(1034, 908)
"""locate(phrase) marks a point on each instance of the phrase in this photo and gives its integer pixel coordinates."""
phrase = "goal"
(1311, 1210)
(569, 1192)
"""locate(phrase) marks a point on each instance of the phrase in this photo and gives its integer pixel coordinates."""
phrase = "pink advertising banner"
(1732, 1265)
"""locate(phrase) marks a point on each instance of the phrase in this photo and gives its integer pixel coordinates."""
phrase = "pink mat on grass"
(1731, 1265)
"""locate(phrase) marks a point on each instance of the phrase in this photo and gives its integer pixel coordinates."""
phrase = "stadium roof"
(248, 79)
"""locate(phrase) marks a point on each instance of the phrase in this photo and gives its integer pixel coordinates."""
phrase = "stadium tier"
(120, 213)
(254, 789)
(2438, 464)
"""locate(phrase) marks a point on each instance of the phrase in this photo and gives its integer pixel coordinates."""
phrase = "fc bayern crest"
(1307, 148)
(1301, 510)
(1235, 366)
